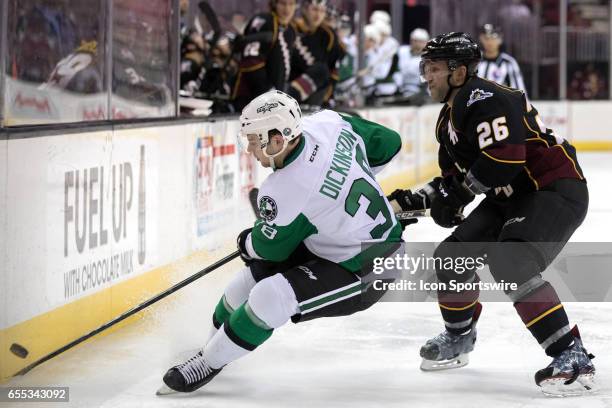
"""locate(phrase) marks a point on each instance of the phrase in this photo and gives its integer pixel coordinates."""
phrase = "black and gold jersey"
(495, 134)
(265, 61)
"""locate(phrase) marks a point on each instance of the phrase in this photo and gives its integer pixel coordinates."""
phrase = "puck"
(19, 350)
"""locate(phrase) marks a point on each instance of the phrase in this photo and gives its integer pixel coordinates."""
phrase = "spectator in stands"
(315, 56)
(587, 83)
(265, 61)
(45, 34)
(408, 78)
(495, 65)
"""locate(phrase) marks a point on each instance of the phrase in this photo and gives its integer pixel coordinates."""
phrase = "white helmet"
(419, 34)
(371, 31)
(383, 28)
(273, 110)
(380, 15)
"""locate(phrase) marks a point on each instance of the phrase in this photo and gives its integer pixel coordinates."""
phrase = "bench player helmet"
(457, 49)
(272, 111)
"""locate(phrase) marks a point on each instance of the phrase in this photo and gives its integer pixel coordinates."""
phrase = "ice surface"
(366, 360)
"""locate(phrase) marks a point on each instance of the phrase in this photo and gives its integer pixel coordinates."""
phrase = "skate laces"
(447, 337)
(195, 369)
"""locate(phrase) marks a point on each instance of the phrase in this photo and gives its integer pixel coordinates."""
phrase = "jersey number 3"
(377, 205)
(499, 131)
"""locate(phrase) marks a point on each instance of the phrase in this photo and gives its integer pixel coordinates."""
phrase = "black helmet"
(457, 48)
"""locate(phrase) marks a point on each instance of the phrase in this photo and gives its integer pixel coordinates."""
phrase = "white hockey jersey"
(325, 195)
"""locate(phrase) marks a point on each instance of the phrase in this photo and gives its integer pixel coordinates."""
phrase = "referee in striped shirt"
(498, 66)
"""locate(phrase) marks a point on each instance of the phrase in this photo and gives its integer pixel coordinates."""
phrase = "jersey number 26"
(499, 131)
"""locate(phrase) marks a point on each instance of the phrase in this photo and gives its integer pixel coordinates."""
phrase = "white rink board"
(136, 208)
(196, 184)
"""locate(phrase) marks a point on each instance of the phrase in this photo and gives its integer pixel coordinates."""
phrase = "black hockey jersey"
(493, 132)
(266, 57)
(319, 46)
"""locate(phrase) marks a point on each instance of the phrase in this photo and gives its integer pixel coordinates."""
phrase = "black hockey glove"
(447, 206)
(414, 201)
(244, 255)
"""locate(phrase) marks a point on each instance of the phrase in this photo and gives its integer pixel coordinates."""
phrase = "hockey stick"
(130, 312)
(211, 16)
(404, 215)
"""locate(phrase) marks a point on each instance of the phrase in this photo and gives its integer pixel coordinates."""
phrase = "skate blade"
(165, 390)
(431, 365)
(556, 387)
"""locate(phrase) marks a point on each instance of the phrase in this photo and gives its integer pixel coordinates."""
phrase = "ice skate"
(447, 350)
(570, 373)
(189, 376)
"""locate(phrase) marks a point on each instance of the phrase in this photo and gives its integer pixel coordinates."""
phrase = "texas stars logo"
(268, 210)
(267, 107)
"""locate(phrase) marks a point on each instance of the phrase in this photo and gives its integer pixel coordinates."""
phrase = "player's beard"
(439, 92)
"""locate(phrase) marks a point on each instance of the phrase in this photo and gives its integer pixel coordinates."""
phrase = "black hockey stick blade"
(130, 312)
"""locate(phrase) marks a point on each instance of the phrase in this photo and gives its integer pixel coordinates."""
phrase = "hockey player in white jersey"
(304, 258)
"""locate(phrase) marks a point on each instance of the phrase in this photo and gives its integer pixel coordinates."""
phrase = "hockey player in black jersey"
(317, 51)
(492, 142)
(265, 62)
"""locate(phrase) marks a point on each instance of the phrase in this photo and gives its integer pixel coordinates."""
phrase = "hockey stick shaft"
(403, 215)
(130, 312)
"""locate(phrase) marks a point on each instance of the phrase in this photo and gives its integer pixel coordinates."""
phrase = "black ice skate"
(449, 350)
(189, 376)
(570, 373)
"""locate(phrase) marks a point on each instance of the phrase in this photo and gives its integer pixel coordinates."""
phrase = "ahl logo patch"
(478, 95)
(268, 210)
(267, 107)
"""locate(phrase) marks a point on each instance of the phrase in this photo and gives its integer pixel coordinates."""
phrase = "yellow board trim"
(543, 315)
(49, 331)
(595, 145)
(457, 308)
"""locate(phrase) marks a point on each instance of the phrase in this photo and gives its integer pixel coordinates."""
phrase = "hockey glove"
(406, 200)
(447, 205)
(244, 254)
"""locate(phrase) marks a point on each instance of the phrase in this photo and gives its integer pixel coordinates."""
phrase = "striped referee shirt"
(504, 70)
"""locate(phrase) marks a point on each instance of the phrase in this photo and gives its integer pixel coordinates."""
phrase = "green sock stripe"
(246, 328)
(223, 310)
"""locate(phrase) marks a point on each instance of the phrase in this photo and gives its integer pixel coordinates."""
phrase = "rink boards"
(95, 221)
